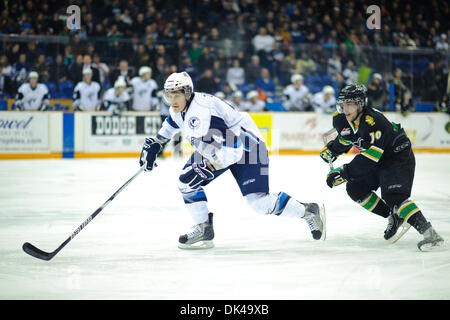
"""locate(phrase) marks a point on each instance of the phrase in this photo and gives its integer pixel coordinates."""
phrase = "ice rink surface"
(130, 251)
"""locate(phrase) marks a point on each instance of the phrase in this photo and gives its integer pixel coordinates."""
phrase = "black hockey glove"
(327, 155)
(196, 174)
(149, 152)
(336, 177)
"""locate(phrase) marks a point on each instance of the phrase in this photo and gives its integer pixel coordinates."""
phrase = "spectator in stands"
(265, 83)
(206, 60)
(102, 68)
(206, 82)
(430, 80)
(442, 44)
(253, 103)
(376, 92)
(350, 74)
(305, 65)
(42, 68)
(58, 71)
(263, 43)
(399, 85)
(32, 95)
(236, 73)
(75, 69)
(141, 57)
(334, 65)
(123, 72)
(253, 70)
(287, 68)
(324, 101)
(20, 69)
(195, 52)
(295, 94)
(219, 73)
(6, 84)
(187, 65)
(404, 104)
(6, 66)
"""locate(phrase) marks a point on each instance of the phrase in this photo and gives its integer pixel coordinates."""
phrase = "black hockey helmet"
(352, 92)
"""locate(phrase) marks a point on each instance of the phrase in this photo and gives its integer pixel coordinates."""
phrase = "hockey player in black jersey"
(386, 161)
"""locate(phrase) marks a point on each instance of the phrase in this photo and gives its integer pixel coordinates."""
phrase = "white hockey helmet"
(143, 70)
(220, 95)
(33, 74)
(252, 94)
(328, 90)
(120, 83)
(180, 81)
(296, 77)
(237, 94)
(87, 71)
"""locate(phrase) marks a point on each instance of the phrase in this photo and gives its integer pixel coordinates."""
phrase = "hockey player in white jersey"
(296, 94)
(32, 95)
(86, 94)
(144, 91)
(324, 101)
(224, 139)
(116, 99)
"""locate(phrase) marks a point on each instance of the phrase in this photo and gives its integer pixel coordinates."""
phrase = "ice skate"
(392, 232)
(200, 237)
(316, 219)
(432, 241)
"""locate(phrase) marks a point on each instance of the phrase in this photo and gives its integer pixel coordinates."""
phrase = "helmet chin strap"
(188, 102)
(360, 112)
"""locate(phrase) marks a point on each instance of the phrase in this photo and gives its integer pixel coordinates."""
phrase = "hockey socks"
(374, 204)
(407, 209)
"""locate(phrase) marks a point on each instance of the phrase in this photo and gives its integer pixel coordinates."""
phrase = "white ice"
(129, 251)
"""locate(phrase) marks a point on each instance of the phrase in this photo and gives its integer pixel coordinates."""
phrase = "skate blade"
(324, 222)
(206, 244)
(437, 246)
(404, 228)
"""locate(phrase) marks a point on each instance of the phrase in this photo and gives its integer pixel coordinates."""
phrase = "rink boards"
(99, 134)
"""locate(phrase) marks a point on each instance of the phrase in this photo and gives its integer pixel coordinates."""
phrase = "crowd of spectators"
(234, 45)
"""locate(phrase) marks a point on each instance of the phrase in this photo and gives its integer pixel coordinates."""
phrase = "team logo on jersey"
(194, 122)
(370, 120)
(345, 132)
(358, 143)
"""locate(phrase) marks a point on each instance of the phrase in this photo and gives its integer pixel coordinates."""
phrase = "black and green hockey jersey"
(379, 141)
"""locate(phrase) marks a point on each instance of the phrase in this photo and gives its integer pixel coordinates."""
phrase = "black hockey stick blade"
(36, 252)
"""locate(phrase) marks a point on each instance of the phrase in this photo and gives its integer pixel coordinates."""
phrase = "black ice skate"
(316, 219)
(431, 241)
(394, 223)
(200, 237)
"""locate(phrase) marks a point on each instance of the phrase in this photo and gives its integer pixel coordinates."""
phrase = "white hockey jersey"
(112, 102)
(256, 106)
(322, 106)
(295, 96)
(86, 96)
(144, 94)
(32, 99)
(214, 128)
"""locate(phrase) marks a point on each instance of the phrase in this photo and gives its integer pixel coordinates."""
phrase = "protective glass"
(173, 97)
(347, 107)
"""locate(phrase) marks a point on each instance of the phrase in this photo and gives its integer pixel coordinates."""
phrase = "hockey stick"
(327, 137)
(40, 254)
